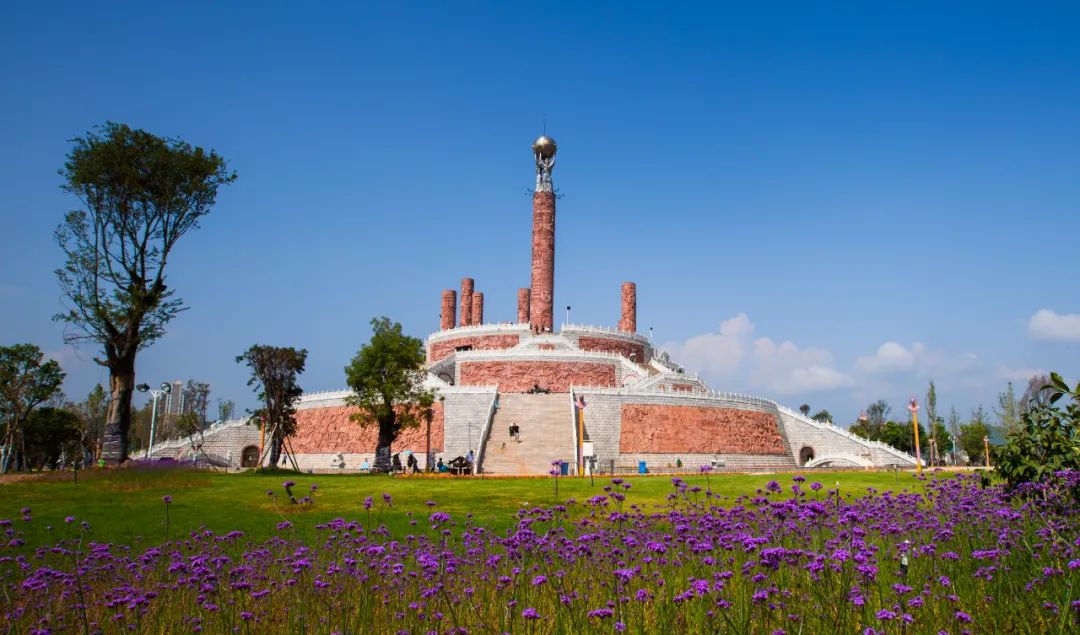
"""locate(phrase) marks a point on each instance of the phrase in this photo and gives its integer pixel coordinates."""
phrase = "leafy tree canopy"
(1047, 439)
(274, 372)
(27, 380)
(141, 193)
(387, 379)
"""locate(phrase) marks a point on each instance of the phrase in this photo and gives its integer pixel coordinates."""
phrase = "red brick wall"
(441, 349)
(699, 430)
(330, 431)
(683, 387)
(619, 347)
(519, 376)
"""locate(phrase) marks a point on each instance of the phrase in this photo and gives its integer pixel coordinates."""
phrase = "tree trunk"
(114, 448)
(386, 438)
(275, 449)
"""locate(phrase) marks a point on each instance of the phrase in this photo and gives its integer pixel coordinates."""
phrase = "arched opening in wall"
(250, 457)
(447, 377)
(806, 455)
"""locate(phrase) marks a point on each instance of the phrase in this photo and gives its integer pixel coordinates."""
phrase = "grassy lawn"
(126, 506)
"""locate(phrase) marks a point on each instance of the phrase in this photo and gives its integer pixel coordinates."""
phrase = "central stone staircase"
(546, 434)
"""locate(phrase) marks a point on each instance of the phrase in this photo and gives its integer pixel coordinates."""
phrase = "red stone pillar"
(466, 301)
(542, 298)
(628, 321)
(448, 316)
(477, 308)
(523, 305)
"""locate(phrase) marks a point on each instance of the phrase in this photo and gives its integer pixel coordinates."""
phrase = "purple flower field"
(954, 556)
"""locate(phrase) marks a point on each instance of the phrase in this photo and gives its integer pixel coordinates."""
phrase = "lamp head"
(166, 387)
(142, 387)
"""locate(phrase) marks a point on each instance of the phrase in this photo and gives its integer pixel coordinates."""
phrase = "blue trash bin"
(564, 468)
(641, 468)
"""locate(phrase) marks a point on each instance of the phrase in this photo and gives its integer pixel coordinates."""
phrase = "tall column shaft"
(523, 305)
(466, 301)
(477, 308)
(628, 319)
(448, 315)
(542, 298)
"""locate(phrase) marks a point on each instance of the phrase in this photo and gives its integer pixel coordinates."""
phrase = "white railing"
(602, 330)
(831, 427)
(185, 442)
(473, 329)
(485, 432)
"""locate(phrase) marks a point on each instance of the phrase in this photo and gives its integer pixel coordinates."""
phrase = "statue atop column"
(544, 149)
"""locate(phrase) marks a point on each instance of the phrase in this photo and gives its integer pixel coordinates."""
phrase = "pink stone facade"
(666, 429)
(682, 387)
(628, 319)
(519, 376)
(441, 349)
(629, 350)
(466, 301)
(448, 314)
(477, 308)
(330, 431)
(523, 306)
(542, 300)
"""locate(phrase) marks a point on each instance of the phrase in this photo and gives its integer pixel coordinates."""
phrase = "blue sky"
(821, 204)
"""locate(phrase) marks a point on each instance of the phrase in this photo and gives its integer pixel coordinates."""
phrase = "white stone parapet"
(508, 328)
(603, 331)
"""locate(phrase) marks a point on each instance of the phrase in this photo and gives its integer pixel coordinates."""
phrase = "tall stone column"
(628, 320)
(523, 305)
(477, 308)
(542, 291)
(448, 316)
(466, 301)
(542, 298)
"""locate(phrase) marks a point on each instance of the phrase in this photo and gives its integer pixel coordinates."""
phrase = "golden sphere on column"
(544, 146)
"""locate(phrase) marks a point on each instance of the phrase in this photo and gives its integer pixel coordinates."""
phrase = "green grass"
(126, 506)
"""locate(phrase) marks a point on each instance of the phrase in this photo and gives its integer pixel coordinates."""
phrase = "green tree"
(225, 409)
(954, 430)
(26, 381)
(972, 435)
(141, 194)
(94, 410)
(387, 379)
(1046, 441)
(274, 370)
(822, 416)
(805, 409)
(1008, 411)
(865, 429)
(877, 414)
(1036, 393)
(942, 437)
(932, 417)
(900, 435)
(52, 433)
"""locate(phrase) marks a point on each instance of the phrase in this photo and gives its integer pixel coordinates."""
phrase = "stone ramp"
(546, 434)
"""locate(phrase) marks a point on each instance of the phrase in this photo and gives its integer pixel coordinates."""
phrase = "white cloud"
(891, 357)
(1019, 375)
(780, 368)
(1051, 326)
(715, 353)
(787, 369)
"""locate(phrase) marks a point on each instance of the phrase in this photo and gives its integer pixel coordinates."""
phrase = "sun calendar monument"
(590, 397)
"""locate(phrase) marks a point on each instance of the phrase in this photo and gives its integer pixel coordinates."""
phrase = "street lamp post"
(166, 388)
(986, 448)
(913, 406)
(567, 313)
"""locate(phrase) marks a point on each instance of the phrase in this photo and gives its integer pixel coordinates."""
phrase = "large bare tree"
(141, 194)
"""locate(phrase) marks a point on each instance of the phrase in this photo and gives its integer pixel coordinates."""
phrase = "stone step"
(546, 434)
